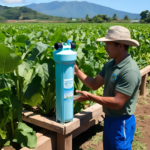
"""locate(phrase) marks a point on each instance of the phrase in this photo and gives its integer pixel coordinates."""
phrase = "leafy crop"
(28, 71)
(10, 106)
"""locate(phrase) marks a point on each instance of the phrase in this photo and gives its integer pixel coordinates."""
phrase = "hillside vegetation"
(23, 13)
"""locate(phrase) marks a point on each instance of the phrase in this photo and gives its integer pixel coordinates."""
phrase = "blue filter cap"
(69, 41)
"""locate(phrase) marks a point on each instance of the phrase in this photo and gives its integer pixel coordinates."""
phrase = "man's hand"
(83, 97)
(75, 69)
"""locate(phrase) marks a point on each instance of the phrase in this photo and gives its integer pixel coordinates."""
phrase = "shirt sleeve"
(128, 83)
(102, 72)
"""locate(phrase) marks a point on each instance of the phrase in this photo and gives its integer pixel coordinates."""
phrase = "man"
(121, 79)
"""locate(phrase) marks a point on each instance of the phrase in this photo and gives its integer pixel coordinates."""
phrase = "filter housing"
(64, 58)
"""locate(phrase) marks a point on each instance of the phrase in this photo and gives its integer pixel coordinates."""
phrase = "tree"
(87, 17)
(99, 20)
(144, 14)
(90, 20)
(115, 17)
(2, 18)
(126, 17)
(147, 19)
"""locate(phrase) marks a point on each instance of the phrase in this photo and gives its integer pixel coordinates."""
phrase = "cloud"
(12, 1)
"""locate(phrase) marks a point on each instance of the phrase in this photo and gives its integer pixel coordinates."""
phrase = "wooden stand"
(46, 140)
(64, 142)
(144, 74)
(65, 133)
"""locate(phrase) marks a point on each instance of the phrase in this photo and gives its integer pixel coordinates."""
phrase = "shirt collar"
(122, 63)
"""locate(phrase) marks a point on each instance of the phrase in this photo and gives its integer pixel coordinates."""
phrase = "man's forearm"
(108, 102)
(88, 81)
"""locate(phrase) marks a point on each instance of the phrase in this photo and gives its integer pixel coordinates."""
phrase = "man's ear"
(121, 46)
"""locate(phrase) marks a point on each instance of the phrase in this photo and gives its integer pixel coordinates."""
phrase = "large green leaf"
(49, 98)
(79, 84)
(9, 60)
(77, 107)
(56, 37)
(25, 136)
(31, 88)
(21, 38)
(3, 134)
(6, 82)
(34, 100)
(39, 34)
(2, 37)
(80, 53)
(4, 93)
(16, 104)
(37, 50)
(24, 68)
(1, 102)
(42, 71)
(11, 31)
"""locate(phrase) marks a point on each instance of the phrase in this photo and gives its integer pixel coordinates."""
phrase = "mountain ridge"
(77, 9)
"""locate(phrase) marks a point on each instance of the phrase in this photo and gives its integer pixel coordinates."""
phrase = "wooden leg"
(64, 142)
(143, 85)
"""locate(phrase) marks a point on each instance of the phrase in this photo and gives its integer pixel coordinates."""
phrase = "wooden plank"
(87, 125)
(144, 71)
(82, 118)
(45, 142)
(64, 142)
(41, 133)
(42, 121)
(47, 123)
(143, 85)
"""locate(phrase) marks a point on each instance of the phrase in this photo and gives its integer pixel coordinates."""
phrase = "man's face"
(111, 49)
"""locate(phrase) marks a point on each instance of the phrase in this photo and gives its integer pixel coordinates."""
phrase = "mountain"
(22, 13)
(77, 9)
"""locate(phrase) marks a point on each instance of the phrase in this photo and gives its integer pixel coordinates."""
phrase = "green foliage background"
(29, 74)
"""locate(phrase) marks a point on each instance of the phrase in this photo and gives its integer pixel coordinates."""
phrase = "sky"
(132, 6)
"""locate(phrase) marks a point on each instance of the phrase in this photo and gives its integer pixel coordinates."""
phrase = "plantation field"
(27, 70)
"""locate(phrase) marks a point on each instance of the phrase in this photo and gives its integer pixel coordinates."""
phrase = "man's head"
(118, 40)
(115, 49)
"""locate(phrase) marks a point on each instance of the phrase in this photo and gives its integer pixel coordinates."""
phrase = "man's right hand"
(76, 69)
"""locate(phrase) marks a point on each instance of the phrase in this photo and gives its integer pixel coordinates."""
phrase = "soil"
(14, 146)
(34, 21)
(8, 148)
(92, 139)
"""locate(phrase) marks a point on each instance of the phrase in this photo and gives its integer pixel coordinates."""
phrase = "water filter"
(64, 57)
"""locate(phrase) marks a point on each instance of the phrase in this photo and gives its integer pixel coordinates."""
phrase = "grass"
(144, 117)
(138, 133)
(98, 138)
(91, 149)
(137, 145)
(144, 102)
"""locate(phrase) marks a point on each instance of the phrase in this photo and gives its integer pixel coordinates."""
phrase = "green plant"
(10, 106)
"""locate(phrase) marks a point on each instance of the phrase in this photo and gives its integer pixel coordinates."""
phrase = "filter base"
(66, 121)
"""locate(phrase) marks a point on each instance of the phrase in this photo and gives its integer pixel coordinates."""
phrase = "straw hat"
(119, 34)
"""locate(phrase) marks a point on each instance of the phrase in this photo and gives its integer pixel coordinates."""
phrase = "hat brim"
(129, 42)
